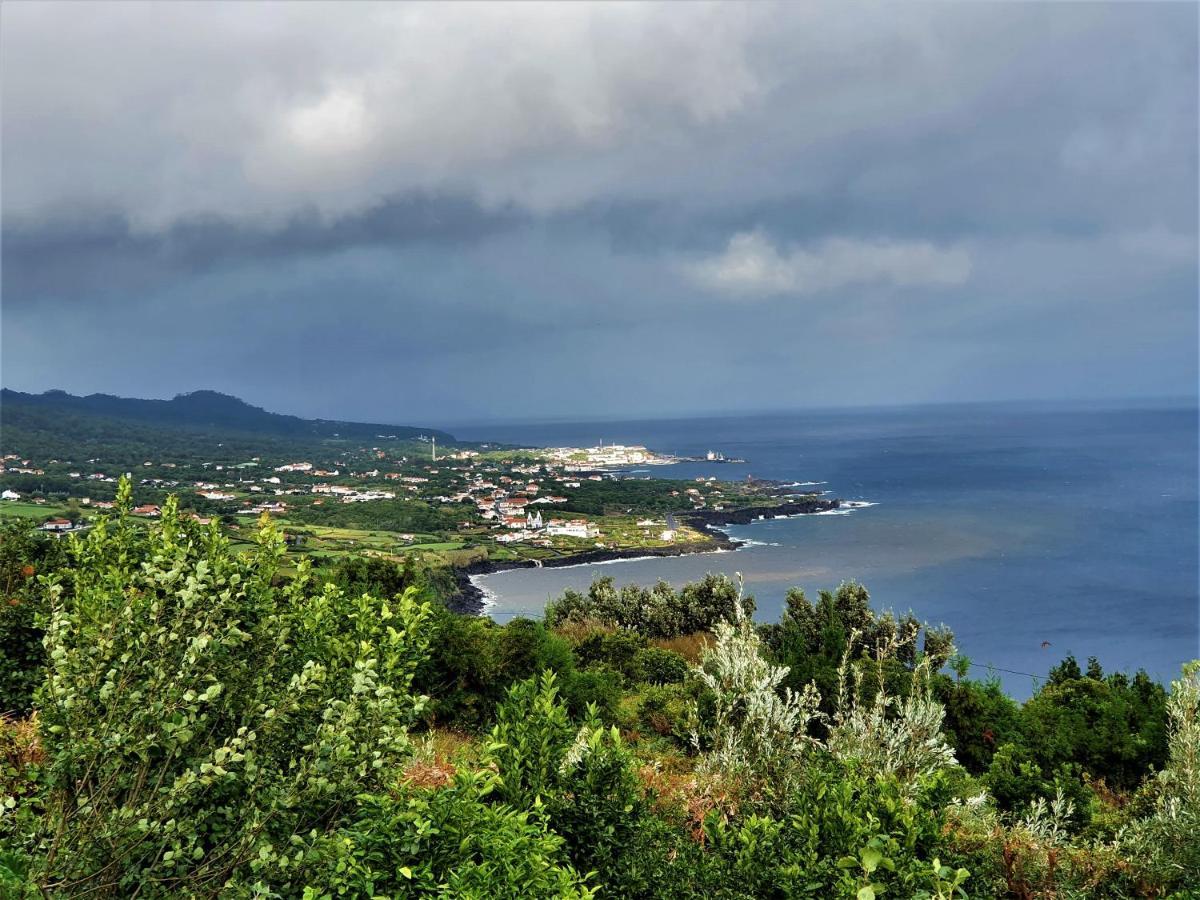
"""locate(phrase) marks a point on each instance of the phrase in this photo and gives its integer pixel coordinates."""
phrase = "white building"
(576, 528)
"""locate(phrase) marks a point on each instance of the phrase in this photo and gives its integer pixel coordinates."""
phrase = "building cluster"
(579, 459)
(12, 463)
(347, 494)
(512, 506)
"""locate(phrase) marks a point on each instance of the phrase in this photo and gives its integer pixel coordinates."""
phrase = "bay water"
(1033, 531)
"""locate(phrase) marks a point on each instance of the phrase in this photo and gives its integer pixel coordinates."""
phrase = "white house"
(576, 528)
(10, 495)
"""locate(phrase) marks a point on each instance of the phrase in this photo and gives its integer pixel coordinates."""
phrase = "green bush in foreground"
(199, 722)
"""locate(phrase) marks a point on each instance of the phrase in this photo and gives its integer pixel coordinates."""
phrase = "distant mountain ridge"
(204, 410)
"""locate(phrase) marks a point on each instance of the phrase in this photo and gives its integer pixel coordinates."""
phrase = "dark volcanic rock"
(718, 517)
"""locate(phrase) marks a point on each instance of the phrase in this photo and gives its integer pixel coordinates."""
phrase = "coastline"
(470, 599)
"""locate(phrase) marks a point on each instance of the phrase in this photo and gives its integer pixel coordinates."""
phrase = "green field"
(19, 509)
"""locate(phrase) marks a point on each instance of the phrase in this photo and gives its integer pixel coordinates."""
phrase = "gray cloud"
(34, 249)
(753, 266)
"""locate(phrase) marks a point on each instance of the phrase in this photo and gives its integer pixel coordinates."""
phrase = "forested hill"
(207, 411)
(103, 425)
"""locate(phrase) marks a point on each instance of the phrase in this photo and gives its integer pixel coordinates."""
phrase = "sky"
(461, 212)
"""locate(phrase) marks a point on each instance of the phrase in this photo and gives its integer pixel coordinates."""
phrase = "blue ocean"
(1032, 531)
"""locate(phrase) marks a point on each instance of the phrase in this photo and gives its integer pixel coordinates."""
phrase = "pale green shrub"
(1166, 844)
(757, 733)
(885, 734)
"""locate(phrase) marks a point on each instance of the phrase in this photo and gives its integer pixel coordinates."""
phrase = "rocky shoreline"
(470, 600)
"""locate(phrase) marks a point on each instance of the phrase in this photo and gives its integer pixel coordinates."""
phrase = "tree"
(1113, 728)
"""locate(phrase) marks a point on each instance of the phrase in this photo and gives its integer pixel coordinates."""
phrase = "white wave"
(604, 562)
(489, 597)
(847, 507)
(750, 542)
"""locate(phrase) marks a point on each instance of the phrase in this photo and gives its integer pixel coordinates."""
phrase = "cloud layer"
(753, 266)
(385, 207)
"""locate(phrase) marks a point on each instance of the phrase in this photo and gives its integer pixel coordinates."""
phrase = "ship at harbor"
(719, 457)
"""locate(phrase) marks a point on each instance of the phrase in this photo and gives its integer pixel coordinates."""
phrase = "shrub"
(616, 650)
(1114, 728)
(813, 639)
(532, 733)
(598, 807)
(598, 689)
(461, 674)
(843, 834)
(452, 841)
(979, 719)
(1017, 782)
(527, 648)
(656, 613)
(756, 733)
(582, 777)
(880, 732)
(1163, 845)
(664, 710)
(658, 666)
(197, 719)
(26, 559)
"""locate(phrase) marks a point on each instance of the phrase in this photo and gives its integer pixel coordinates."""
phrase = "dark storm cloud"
(489, 209)
(55, 255)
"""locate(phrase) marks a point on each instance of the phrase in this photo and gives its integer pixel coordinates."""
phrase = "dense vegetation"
(188, 720)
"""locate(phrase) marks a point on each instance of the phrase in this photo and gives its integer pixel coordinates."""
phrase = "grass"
(16, 508)
(689, 646)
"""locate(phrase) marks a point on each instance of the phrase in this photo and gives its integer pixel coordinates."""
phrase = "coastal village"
(529, 503)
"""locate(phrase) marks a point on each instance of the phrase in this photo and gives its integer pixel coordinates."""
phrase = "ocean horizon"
(1034, 530)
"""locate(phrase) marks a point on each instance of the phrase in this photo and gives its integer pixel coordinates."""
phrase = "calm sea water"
(1015, 526)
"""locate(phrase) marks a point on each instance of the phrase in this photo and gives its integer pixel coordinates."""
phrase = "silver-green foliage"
(756, 731)
(202, 723)
(1166, 843)
(884, 734)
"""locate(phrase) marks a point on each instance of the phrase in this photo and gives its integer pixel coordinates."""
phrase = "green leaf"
(870, 859)
(866, 893)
